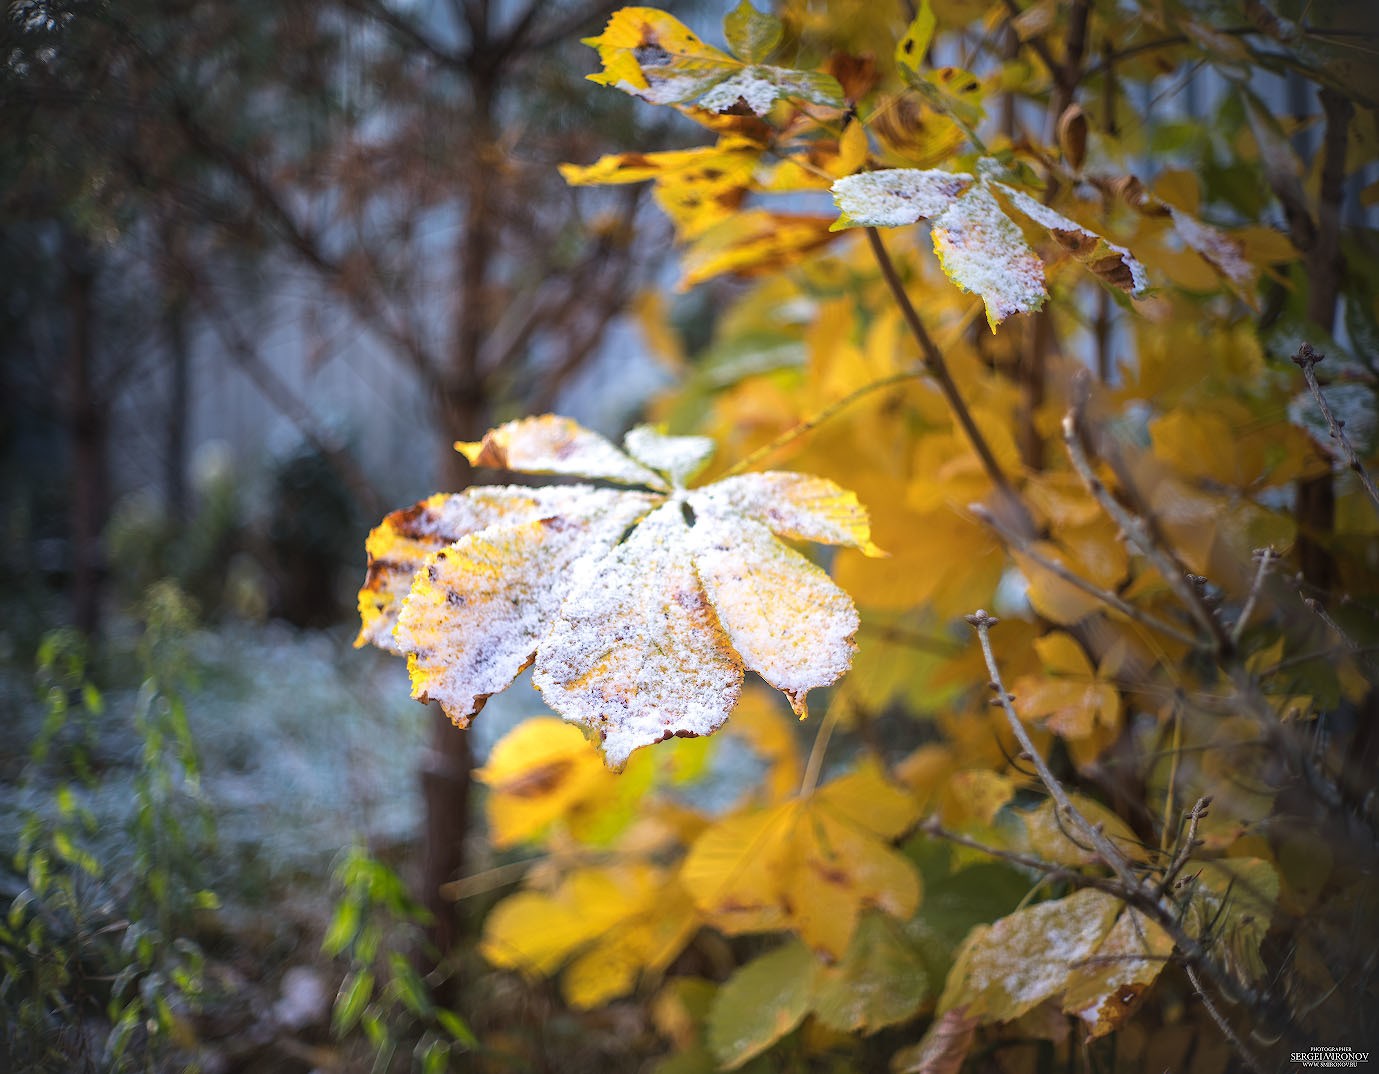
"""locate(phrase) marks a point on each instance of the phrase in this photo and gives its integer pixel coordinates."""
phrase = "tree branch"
(1306, 359)
(935, 365)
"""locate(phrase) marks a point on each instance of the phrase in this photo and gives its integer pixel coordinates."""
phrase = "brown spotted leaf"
(641, 609)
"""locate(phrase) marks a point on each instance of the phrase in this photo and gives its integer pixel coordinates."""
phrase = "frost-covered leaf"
(477, 608)
(786, 617)
(1109, 986)
(680, 458)
(1223, 253)
(637, 636)
(760, 1003)
(651, 55)
(751, 34)
(1110, 263)
(895, 197)
(637, 654)
(1010, 967)
(399, 545)
(981, 250)
(555, 445)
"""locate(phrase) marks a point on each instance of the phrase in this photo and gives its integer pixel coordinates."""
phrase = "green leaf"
(458, 1028)
(433, 1054)
(760, 1003)
(909, 53)
(880, 981)
(409, 986)
(751, 34)
(343, 928)
(355, 991)
(1231, 907)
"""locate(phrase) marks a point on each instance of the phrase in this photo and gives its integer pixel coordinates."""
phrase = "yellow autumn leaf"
(810, 865)
(539, 771)
(1072, 697)
(752, 242)
(1053, 837)
(636, 638)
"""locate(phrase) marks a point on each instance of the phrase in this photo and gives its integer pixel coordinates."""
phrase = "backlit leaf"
(751, 34)
(981, 250)
(637, 639)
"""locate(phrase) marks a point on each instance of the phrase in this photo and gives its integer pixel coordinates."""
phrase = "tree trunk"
(87, 430)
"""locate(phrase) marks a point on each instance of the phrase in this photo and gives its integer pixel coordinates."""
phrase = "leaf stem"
(935, 365)
(816, 755)
(796, 431)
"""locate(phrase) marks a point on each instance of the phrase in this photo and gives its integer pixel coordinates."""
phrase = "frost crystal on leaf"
(749, 85)
(982, 250)
(637, 638)
(1218, 248)
(897, 196)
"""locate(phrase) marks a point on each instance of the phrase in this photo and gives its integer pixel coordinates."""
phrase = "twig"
(937, 368)
(1049, 870)
(1265, 556)
(1188, 844)
(1106, 850)
(1242, 1049)
(796, 431)
(1306, 360)
(1134, 528)
(1319, 610)
(1026, 548)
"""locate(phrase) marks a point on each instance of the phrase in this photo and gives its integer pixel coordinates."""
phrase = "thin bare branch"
(1265, 557)
(1026, 548)
(935, 365)
(1306, 359)
(1242, 1049)
(1135, 529)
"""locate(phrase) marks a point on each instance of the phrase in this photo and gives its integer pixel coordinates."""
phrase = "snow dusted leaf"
(637, 636)
(981, 250)
(751, 34)
(637, 654)
(680, 458)
(1223, 253)
(1107, 261)
(1010, 967)
(477, 608)
(786, 618)
(1109, 986)
(398, 547)
(651, 55)
(896, 196)
(801, 507)
(1354, 404)
(654, 56)
(555, 445)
